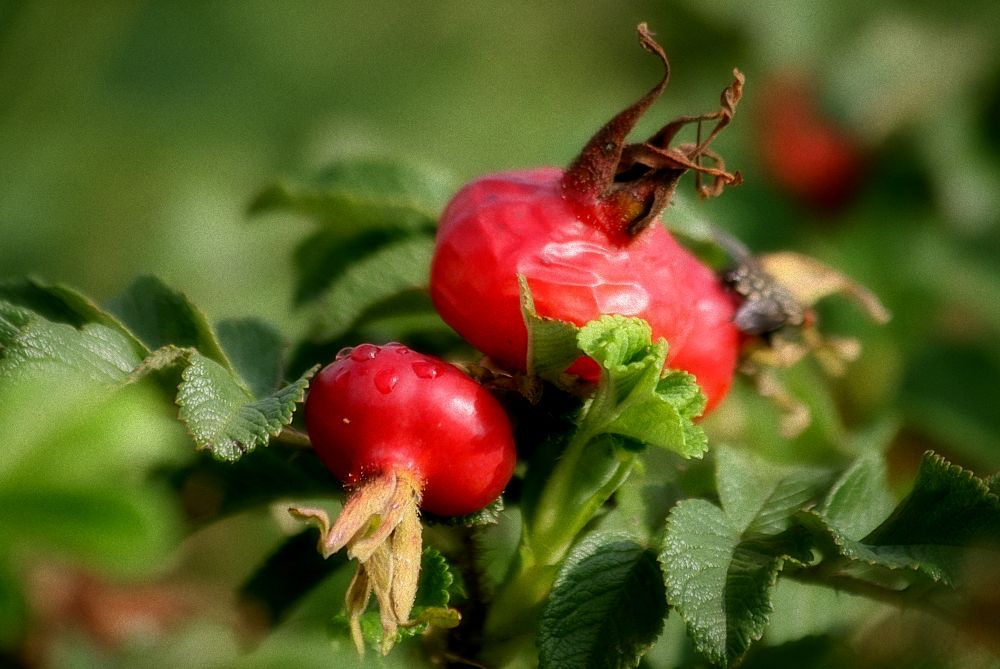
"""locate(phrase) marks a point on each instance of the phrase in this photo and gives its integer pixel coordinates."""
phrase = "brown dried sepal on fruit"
(634, 183)
(380, 528)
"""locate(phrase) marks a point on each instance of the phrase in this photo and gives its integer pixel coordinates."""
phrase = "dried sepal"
(379, 527)
(810, 280)
(778, 292)
(634, 183)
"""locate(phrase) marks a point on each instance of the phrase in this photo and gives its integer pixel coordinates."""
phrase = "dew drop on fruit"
(344, 352)
(364, 352)
(386, 379)
(426, 369)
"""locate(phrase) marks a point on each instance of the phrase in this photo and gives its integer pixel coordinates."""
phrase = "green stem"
(587, 473)
(585, 477)
(292, 437)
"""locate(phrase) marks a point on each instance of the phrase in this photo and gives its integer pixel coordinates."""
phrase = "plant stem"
(588, 472)
(586, 476)
(292, 437)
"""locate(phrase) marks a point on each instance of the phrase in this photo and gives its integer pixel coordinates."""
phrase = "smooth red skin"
(446, 430)
(514, 223)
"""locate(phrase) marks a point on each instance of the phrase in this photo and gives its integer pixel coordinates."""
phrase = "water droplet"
(386, 379)
(427, 369)
(344, 352)
(340, 374)
(364, 352)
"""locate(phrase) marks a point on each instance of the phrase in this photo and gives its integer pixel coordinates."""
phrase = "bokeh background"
(134, 135)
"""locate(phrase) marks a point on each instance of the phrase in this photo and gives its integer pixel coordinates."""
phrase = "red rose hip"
(589, 241)
(403, 431)
(379, 408)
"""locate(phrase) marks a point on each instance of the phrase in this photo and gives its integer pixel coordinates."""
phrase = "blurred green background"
(133, 136)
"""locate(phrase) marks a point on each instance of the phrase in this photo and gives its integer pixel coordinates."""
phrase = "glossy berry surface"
(382, 408)
(503, 225)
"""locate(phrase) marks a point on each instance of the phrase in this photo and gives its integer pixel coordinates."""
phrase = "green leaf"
(948, 505)
(223, 417)
(606, 608)
(436, 581)
(162, 359)
(634, 398)
(722, 564)
(860, 499)
(256, 350)
(993, 483)
(948, 512)
(364, 193)
(62, 304)
(397, 268)
(551, 342)
(719, 580)
(617, 342)
(762, 497)
(160, 316)
(325, 255)
(30, 344)
(362, 205)
(488, 515)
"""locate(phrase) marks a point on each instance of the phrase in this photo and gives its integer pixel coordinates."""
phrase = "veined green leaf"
(606, 608)
(721, 564)
(628, 400)
(719, 580)
(62, 304)
(393, 269)
(762, 497)
(947, 505)
(30, 344)
(436, 581)
(860, 499)
(635, 397)
(223, 417)
(161, 316)
(551, 342)
(947, 513)
(256, 350)
(363, 193)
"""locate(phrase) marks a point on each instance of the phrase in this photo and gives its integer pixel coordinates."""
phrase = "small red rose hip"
(382, 408)
(402, 431)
